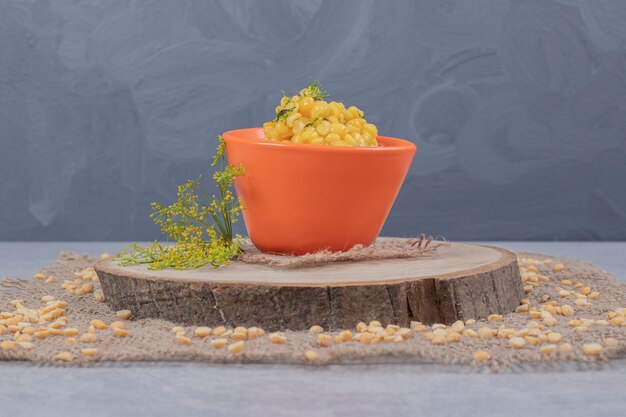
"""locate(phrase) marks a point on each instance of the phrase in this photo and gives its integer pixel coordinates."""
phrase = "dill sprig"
(201, 226)
(316, 92)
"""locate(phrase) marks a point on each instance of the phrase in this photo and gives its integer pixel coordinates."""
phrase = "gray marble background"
(518, 108)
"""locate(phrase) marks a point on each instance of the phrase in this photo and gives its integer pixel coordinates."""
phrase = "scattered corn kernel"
(64, 356)
(311, 355)
(70, 331)
(255, 332)
(98, 295)
(566, 310)
(546, 349)
(324, 340)
(469, 333)
(565, 348)
(485, 333)
(219, 343)
(610, 341)
(218, 331)
(316, 329)
(554, 337)
(88, 338)
(236, 347)
(517, 342)
(183, 340)
(26, 345)
(8, 345)
(559, 267)
(481, 356)
(345, 336)
(123, 314)
(99, 324)
(70, 341)
(549, 321)
(120, 332)
(277, 338)
(203, 331)
(89, 351)
(178, 330)
(592, 349)
(494, 317)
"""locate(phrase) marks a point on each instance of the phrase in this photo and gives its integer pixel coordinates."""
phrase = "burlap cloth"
(152, 340)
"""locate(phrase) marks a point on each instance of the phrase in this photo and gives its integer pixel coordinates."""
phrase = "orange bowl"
(303, 198)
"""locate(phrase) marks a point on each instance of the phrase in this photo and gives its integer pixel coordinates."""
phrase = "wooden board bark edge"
(495, 289)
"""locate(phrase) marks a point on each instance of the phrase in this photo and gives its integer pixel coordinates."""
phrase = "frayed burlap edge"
(384, 248)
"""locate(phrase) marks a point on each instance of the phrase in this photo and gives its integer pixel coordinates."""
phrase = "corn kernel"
(8, 345)
(549, 321)
(178, 330)
(311, 355)
(565, 348)
(559, 267)
(566, 310)
(517, 342)
(203, 331)
(88, 338)
(236, 347)
(324, 340)
(469, 333)
(99, 324)
(417, 326)
(610, 341)
(218, 331)
(219, 343)
(70, 331)
(345, 336)
(70, 341)
(554, 337)
(485, 333)
(547, 349)
(26, 345)
(592, 349)
(238, 336)
(481, 356)
(255, 332)
(120, 332)
(123, 314)
(64, 356)
(98, 295)
(494, 317)
(89, 351)
(439, 340)
(316, 329)
(183, 340)
(277, 338)
(117, 325)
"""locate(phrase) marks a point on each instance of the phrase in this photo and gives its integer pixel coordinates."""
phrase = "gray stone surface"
(271, 390)
(517, 107)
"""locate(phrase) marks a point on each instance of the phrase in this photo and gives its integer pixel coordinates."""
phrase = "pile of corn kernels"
(307, 118)
(28, 325)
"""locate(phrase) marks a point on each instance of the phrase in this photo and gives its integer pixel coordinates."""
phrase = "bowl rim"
(390, 144)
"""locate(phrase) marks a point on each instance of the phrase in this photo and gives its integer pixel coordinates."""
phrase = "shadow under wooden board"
(457, 282)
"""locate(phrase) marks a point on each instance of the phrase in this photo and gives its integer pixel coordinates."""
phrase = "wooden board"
(460, 281)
